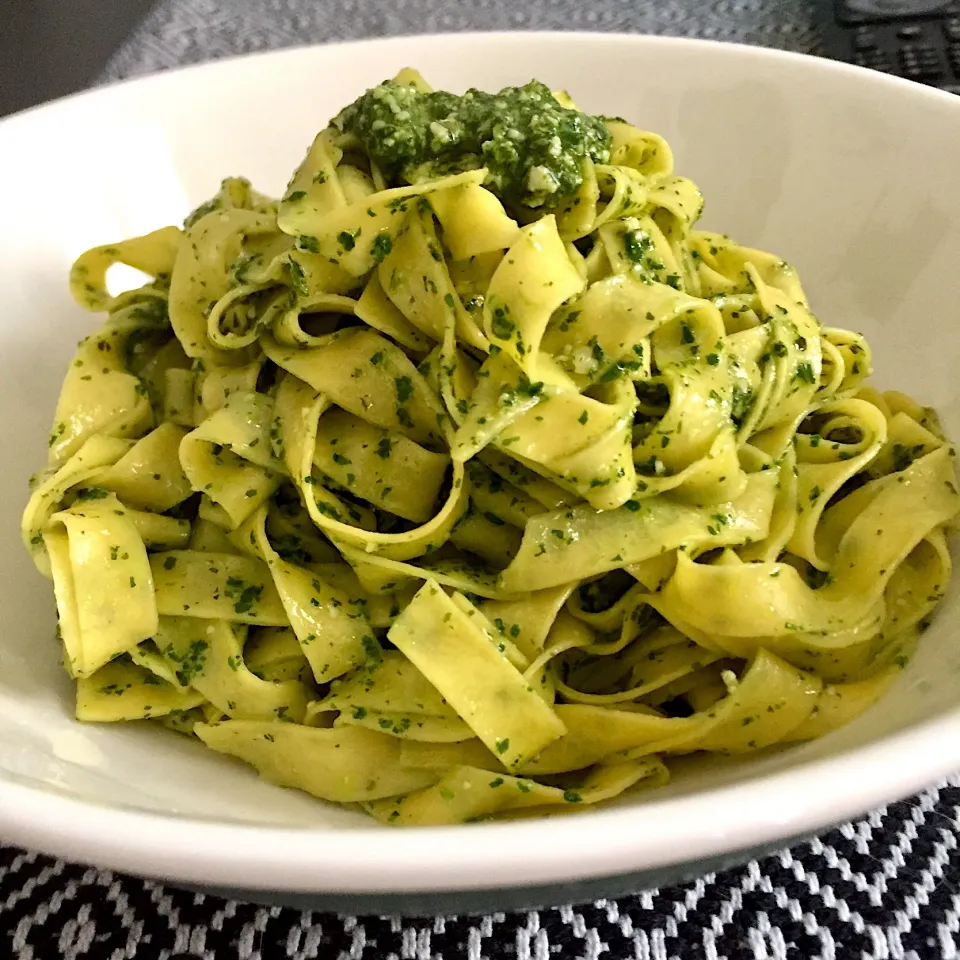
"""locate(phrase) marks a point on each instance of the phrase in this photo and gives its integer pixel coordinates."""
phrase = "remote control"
(915, 39)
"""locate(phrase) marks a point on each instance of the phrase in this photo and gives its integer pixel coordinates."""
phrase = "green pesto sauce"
(532, 147)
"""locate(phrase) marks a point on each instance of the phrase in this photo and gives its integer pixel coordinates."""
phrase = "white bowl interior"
(852, 177)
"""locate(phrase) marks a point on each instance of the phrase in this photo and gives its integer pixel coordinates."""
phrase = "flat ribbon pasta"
(458, 494)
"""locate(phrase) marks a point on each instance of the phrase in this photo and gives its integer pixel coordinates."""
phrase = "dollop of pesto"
(532, 146)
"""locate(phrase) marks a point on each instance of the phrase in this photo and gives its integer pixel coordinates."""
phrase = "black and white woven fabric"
(882, 889)
(886, 888)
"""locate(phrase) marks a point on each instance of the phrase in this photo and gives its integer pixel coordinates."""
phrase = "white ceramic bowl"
(852, 176)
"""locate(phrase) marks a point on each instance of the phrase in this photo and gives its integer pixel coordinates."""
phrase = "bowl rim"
(378, 859)
(758, 809)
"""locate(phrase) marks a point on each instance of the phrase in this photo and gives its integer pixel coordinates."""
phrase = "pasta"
(470, 479)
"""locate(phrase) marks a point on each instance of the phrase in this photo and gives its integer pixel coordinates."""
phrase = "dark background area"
(49, 48)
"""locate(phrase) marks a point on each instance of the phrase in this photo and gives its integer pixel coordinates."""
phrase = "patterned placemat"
(885, 888)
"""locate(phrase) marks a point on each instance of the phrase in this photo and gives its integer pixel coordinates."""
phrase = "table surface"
(49, 48)
(885, 888)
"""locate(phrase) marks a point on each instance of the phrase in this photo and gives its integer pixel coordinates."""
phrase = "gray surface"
(191, 31)
(49, 48)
